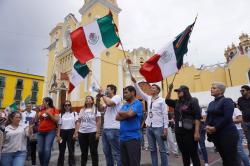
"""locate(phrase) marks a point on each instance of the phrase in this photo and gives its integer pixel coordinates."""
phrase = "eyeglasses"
(67, 105)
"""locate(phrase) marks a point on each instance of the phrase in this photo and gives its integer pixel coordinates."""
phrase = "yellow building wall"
(98, 10)
(239, 67)
(10, 86)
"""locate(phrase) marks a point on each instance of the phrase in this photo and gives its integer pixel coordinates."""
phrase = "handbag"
(187, 123)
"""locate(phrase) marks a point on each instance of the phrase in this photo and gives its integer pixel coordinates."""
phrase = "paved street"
(214, 158)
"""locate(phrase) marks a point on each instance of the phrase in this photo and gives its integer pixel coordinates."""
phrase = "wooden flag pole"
(120, 42)
(174, 78)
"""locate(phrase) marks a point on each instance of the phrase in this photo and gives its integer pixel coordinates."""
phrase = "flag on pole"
(168, 60)
(79, 72)
(10, 108)
(91, 40)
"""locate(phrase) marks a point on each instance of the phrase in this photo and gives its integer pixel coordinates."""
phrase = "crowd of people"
(223, 122)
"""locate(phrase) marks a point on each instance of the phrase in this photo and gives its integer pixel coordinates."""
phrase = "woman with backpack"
(65, 133)
(88, 131)
(47, 118)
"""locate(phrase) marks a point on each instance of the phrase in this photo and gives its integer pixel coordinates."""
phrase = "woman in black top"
(187, 122)
(220, 127)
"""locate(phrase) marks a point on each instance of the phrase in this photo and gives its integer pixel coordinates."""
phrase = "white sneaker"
(191, 164)
(206, 164)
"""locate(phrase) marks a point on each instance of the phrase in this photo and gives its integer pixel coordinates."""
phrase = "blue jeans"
(111, 146)
(242, 154)
(154, 135)
(202, 145)
(13, 159)
(45, 142)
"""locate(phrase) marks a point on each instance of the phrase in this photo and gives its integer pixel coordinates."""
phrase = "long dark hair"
(11, 116)
(49, 101)
(186, 96)
(85, 104)
(62, 111)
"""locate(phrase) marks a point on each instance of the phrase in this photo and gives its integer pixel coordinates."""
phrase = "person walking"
(48, 119)
(88, 131)
(130, 118)
(244, 106)
(187, 117)
(171, 144)
(28, 117)
(203, 135)
(237, 119)
(111, 132)
(220, 127)
(14, 148)
(156, 122)
(65, 132)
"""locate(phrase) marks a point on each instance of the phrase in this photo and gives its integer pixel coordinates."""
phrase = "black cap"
(182, 88)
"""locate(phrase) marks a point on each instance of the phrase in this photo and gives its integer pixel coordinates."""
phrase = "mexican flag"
(78, 73)
(168, 60)
(10, 108)
(91, 40)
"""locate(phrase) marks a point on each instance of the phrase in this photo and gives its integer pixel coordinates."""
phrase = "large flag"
(79, 72)
(91, 40)
(168, 60)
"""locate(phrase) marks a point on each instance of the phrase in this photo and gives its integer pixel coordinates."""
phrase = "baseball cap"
(182, 88)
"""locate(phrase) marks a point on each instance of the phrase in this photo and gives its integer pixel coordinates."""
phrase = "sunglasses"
(67, 105)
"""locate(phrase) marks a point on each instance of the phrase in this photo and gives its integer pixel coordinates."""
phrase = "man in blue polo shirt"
(130, 118)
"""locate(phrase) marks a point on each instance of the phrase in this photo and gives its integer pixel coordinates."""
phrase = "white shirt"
(157, 110)
(15, 139)
(68, 120)
(236, 113)
(27, 116)
(110, 114)
(87, 119)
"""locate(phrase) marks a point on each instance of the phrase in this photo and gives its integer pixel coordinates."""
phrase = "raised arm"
(99, 106)
(168, 100)
(138, 90)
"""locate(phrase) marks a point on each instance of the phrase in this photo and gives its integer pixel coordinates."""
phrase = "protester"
(156, 122)
(14, 150)
(203, 135)
(244, 106)
(220, 127)
(3, 120)
(171, 144)
(88, 131)
(130, 118)
(28, 117)
(237, 119)
(65, 132)
(48, 119)
(187, 123)
(110, 133)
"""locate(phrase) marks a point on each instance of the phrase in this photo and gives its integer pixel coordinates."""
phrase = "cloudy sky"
(25, 27)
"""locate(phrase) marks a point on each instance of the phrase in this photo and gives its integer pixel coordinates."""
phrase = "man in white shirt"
(28, 116)
(237, 119)
(156, 122)
(111, 132)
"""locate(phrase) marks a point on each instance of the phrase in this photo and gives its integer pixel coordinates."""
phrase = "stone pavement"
(214, 158)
